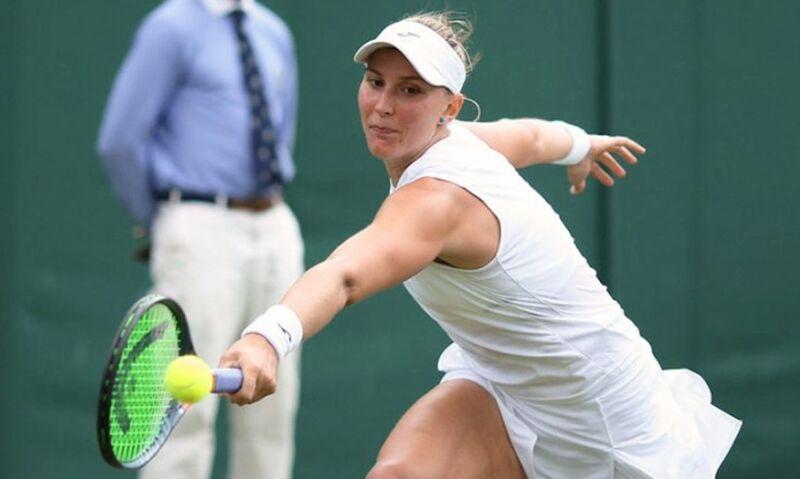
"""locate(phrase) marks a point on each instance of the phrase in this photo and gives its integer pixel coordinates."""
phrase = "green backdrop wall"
(699, 244)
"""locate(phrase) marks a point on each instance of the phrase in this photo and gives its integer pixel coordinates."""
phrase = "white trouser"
(225, 267)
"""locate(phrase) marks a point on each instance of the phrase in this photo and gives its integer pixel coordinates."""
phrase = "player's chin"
(380, 149)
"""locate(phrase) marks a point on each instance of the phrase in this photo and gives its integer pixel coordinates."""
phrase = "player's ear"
(453, 107)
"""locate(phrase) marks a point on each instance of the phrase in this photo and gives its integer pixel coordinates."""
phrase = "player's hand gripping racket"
(136, 413)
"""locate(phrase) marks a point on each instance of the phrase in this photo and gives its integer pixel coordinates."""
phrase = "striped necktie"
(267, 170)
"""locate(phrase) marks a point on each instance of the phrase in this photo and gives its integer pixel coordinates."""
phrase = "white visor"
(430, 54)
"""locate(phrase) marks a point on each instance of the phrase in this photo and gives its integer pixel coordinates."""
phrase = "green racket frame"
(112, 414)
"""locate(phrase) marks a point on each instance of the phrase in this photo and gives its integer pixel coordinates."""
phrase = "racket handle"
(227, 380)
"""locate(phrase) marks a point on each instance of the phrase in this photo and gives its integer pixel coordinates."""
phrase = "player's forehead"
(390, 62)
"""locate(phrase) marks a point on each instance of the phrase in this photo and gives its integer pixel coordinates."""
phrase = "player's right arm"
(414, 226)
(141, 91)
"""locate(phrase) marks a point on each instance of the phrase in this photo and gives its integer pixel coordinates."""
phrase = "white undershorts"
(645, 423)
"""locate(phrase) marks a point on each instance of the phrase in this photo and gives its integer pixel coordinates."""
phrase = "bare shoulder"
(464, 228)
(431, 197)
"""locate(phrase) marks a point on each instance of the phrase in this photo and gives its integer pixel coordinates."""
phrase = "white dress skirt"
(643, 422)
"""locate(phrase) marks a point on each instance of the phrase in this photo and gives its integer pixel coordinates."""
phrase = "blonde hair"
(455, 28)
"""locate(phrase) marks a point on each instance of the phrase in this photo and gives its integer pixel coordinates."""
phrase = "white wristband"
(280, 326)
(580, 144)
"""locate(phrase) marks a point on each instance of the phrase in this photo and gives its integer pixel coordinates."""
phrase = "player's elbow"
(352, 284)
(344, 275)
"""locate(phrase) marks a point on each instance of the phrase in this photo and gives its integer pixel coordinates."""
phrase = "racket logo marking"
(128, 385)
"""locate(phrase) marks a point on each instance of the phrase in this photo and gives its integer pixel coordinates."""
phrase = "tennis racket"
(135, 413)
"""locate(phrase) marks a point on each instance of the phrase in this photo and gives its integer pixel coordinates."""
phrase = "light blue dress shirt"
(179, 115)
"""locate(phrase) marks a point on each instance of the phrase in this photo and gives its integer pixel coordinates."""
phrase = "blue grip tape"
(227, 380)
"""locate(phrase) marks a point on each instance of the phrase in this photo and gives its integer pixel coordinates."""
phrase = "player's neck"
(396, 167)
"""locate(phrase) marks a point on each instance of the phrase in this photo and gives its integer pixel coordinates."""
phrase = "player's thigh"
(454, 431)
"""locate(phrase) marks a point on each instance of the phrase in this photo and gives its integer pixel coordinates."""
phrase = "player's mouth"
(381, 130)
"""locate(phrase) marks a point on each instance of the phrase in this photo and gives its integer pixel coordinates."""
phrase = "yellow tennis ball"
(188, 379)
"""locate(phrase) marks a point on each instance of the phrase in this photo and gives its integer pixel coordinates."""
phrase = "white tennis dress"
(579, 390)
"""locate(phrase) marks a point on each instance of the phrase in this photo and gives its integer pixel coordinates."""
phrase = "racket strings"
(141, 409)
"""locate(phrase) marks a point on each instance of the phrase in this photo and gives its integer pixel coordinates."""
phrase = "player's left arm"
(530, 141)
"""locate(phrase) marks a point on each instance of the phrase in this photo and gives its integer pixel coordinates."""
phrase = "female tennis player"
(546, 376)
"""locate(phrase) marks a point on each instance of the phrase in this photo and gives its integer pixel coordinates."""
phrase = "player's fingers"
(601, 175)
(611, 163)
(626, 155)
(577, 189)
(267, 384)
(626, 142)
(246, 394)
(227, 360)
(231, 359)
(237, 398)
(249, 377)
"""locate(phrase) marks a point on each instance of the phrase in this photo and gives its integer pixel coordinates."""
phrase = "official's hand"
(604, 151)
(258, 361)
